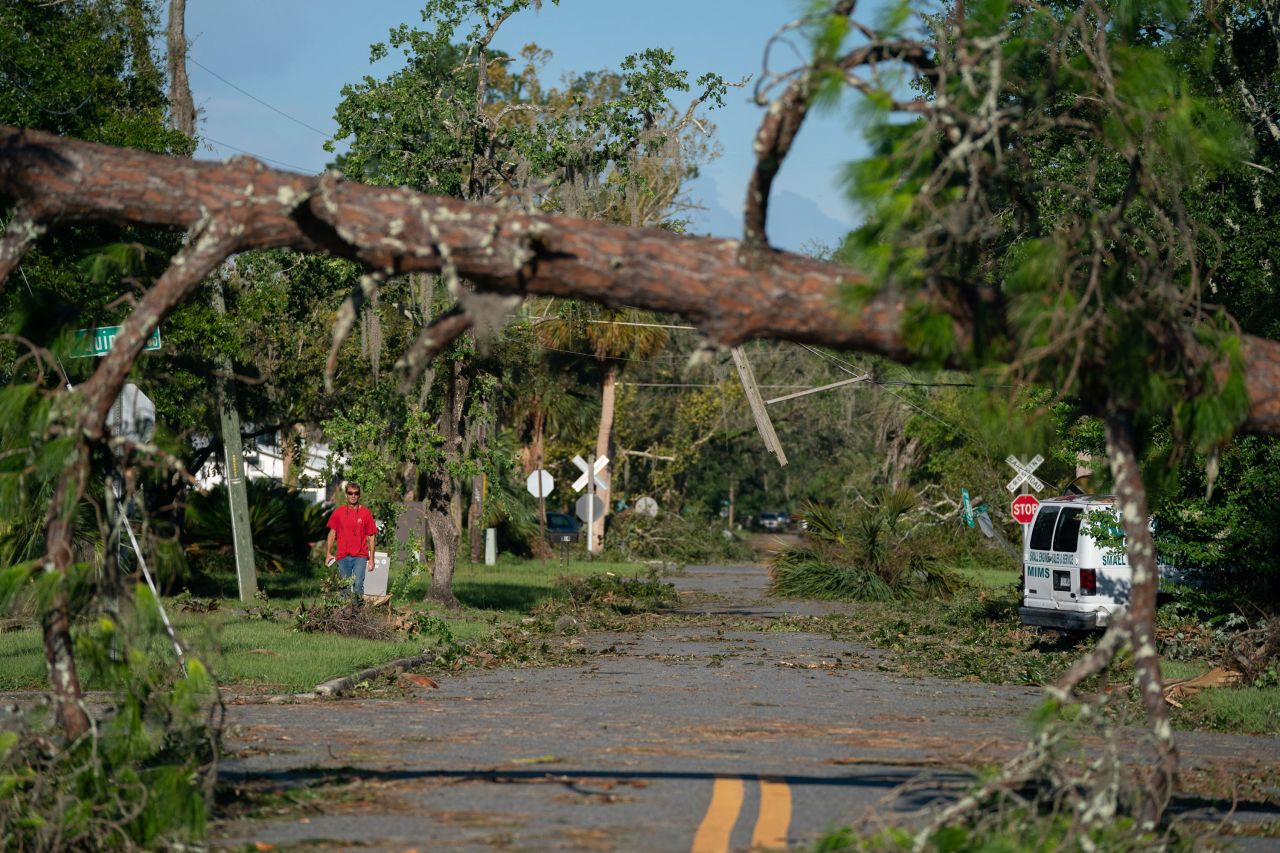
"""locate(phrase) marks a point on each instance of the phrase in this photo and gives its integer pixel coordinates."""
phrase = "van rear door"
(1038, 574)
(1066, 569)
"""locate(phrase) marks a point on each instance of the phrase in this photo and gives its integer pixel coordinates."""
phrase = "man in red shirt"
(352, 529)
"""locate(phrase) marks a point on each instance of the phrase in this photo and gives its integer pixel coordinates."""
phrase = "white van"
(1069, 582)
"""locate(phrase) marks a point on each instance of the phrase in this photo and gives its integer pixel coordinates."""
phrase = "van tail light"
(1088, 581)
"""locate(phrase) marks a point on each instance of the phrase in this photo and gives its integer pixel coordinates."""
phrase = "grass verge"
(256, 648)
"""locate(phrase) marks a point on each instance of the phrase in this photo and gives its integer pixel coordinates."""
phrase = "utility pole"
(752, 392)
(732, 483)
(182, 114)
(233, 455)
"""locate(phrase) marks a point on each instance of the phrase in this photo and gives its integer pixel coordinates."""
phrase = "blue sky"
(297, 54)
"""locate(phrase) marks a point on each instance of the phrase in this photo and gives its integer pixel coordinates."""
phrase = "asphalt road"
(693, 739)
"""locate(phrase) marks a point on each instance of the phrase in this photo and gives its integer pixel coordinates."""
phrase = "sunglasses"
(357, 494)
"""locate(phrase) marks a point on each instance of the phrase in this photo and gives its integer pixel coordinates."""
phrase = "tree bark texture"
(1140, 547)
(608, 398)
(444, 543)
(441, 502)
(59, 653)
(731, 295)
(475, 534)
(182, 109)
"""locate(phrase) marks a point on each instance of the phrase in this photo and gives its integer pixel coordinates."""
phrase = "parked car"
(562, 527)
(775, 520)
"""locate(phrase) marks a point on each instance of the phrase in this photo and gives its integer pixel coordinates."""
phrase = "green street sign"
(97, 342)
(968, 510)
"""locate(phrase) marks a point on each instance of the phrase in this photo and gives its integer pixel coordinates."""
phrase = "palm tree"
(613, 338)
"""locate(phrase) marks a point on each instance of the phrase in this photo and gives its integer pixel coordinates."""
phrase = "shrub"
(142, 777)
(871, 552)
(283, 522)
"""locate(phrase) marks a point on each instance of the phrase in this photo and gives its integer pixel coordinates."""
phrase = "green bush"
(283, 522)
(142, 777)
(871, 552)
(1225, 531)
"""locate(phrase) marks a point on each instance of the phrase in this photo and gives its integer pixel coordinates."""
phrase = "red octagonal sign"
(1024, 508)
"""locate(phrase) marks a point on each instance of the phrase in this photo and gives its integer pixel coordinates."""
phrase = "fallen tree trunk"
(732, 294)
(338, 686)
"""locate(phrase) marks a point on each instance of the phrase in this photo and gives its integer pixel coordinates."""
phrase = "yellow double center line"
(770, 831)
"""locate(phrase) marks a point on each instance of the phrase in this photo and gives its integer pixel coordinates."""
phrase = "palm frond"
(864, 553)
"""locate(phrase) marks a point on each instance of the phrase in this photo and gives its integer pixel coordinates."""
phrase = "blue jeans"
(354, 567)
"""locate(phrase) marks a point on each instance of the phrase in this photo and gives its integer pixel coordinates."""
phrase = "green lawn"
(1248, 710)
(247, 650)
(991, 578)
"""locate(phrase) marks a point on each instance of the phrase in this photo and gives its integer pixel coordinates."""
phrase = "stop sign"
(1024, 508)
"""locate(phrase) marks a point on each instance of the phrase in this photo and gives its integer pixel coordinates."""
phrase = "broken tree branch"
(430, 342)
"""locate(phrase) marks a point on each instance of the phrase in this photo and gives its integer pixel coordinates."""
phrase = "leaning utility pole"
(758, 412)
(183, 116)
(233, 455)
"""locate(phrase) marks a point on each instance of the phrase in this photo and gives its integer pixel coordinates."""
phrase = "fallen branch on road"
(338, 686)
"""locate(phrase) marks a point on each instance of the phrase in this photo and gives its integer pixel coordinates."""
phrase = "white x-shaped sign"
(581, 482)
(1024, 470)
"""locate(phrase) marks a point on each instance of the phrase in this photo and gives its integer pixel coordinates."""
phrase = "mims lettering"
(1038, 572)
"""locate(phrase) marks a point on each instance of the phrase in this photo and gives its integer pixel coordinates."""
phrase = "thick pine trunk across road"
(731, 293)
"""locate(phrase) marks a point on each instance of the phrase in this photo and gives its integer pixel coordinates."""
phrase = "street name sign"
(97, 342)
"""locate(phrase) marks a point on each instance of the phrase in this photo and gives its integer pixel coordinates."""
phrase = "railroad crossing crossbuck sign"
(1024, 470)
(593, 473)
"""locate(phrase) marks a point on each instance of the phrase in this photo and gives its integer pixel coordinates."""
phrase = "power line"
(693, 385)
(248, 94)
(847, 368)
(293, 166)
(610, 357)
